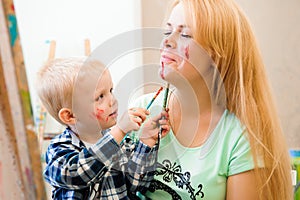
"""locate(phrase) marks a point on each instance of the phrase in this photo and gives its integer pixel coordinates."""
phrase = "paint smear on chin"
(162, 70)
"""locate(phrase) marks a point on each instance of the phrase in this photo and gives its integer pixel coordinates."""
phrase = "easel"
(87, 47)
(20, 167)
(41, 121)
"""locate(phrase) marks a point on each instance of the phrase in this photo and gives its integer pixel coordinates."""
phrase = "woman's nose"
(170, 41)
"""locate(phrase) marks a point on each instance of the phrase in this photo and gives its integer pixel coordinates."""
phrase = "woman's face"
(181, 57)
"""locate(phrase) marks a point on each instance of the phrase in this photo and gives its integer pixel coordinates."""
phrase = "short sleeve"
(241, 159)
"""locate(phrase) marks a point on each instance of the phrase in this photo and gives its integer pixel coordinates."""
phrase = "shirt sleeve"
(241, 159)
(71, 168)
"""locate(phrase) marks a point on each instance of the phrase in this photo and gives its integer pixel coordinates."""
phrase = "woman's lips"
(167, 59)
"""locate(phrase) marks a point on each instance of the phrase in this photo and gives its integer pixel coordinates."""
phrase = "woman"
(226, 141)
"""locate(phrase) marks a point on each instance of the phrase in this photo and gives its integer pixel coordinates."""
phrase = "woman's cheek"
(185, 52)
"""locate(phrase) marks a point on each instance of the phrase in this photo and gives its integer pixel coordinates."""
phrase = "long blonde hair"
(222, 29)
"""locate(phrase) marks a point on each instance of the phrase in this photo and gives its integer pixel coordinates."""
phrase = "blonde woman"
(225, 140)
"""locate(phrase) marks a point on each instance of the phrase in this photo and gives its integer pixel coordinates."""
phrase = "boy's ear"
(66, 116)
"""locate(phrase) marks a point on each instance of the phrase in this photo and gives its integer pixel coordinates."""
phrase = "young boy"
(91, 159)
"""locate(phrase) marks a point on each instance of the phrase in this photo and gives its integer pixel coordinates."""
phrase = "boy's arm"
(72, 168)
(118, 134)
(141, 164)
(129, 121)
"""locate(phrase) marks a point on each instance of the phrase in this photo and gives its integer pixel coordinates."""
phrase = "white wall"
(277, 26)
(69, 23)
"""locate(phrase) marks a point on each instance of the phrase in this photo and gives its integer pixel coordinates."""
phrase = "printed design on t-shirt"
(173, 172)
(157, 185)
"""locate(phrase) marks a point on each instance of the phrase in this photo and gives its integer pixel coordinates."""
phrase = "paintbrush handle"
(164, 107)
(166, 96)
(152, 100)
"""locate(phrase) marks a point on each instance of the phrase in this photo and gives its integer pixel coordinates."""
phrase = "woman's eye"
(111, 90)
(166, 33)
(186, 36)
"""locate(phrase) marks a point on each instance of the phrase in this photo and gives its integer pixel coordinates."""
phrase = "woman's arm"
(242, 186)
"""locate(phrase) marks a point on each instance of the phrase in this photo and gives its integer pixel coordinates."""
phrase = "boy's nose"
(112, 101)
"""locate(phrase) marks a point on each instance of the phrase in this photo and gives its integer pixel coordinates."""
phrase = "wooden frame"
(20, 166)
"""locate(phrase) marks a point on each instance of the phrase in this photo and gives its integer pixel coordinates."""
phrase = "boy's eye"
(99, 97)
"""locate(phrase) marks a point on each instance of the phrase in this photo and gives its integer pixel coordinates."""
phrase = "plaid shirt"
(104, 171)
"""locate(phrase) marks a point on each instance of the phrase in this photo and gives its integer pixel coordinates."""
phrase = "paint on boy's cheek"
(99, 114)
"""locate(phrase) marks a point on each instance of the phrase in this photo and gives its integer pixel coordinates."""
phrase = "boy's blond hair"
(57, 79)
(55, 83)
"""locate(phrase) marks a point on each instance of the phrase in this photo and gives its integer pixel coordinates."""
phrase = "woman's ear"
(66, 116)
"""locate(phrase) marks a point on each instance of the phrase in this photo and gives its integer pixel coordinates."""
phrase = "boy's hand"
(152, 127)
(132, 120)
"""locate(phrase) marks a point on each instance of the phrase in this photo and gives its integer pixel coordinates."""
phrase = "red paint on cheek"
(187, 52)
(99, 113)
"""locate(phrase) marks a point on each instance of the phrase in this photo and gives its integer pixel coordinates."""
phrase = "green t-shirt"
(200, 172)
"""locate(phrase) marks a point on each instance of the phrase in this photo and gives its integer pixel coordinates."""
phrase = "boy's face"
(105, 104)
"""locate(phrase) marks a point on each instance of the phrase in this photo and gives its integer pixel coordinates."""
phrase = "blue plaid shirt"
(104, 171)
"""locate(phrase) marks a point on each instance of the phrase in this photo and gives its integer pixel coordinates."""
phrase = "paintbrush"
(152, 100)
(166, 96)
(164, 107)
